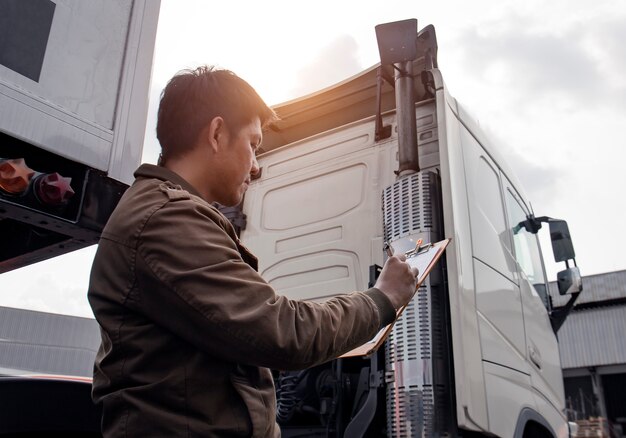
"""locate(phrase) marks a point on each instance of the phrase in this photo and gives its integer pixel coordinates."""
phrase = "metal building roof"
(593, 337)
(599, 287)
(47, 343)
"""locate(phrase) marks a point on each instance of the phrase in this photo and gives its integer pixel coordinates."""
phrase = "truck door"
(498, 303)
(498, 298)
(542, 350)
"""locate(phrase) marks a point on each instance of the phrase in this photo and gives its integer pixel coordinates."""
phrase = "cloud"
(605, 42)
(341, 54)
(609, 36)
(577, 66)
(538, 179)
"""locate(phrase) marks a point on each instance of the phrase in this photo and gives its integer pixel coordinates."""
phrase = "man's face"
(238, 162)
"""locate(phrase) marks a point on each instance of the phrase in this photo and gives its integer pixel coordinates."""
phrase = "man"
(189, 328)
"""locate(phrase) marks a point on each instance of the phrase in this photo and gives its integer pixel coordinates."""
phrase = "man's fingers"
(401, 257)
(415, 271)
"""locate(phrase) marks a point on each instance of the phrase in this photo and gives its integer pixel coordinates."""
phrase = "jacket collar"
(164, 174)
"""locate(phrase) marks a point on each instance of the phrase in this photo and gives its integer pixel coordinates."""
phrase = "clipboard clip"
(420, 248)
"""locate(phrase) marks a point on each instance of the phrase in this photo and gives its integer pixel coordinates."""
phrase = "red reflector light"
(53, 189)
(15, 176)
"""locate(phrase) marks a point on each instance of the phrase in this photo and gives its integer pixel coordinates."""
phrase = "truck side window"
(526, 247)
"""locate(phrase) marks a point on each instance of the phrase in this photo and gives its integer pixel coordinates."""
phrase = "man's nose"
(254, 171)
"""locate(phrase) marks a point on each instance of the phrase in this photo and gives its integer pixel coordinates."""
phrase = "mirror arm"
(532, 224)
(558, 316)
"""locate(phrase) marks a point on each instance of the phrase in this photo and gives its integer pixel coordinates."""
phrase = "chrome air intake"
(408, 208)
(415, 352)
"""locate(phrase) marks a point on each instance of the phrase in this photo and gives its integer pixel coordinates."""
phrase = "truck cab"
(390, 157)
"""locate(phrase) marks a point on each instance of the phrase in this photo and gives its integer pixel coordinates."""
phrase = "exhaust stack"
(397, 44)
(419, 394)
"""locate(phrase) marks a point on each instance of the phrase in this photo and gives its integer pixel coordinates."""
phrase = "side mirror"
(569, 281)
(561, 241)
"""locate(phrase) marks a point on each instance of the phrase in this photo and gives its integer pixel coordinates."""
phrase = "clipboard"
(424, 258)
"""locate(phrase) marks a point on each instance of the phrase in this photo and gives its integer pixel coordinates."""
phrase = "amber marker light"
(15, 176)
(53, 189)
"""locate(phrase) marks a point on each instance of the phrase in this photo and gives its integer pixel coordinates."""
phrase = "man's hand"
(397, 280)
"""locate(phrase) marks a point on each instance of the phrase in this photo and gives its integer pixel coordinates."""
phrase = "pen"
(388, 249)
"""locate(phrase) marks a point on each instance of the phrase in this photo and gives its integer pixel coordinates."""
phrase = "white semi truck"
(390, 157)
(385, 157)
(74, 85)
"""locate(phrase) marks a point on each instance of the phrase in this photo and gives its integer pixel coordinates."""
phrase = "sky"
(546, 80)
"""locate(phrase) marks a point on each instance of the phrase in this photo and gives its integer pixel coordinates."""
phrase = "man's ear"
(215, 133)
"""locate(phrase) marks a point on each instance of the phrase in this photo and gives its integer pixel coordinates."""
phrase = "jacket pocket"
(257, 409)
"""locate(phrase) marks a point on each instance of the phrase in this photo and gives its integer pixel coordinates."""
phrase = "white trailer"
(74, 84)
(389, 156)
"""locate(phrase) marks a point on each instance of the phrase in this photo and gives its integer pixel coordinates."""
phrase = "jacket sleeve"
(193, 281)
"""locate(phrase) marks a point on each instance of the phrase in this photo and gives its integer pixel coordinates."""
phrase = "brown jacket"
(189, 328)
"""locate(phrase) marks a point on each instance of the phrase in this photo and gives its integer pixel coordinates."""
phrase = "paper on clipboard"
(424, 261)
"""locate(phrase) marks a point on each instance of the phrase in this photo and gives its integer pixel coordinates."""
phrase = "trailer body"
(74, 84)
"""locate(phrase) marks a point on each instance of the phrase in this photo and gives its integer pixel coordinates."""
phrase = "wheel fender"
(527, 415)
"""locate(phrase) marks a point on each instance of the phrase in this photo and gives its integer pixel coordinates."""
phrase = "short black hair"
(192, 98)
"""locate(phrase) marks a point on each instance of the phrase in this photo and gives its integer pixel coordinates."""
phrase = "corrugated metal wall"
(47, 343)
(594, 337)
